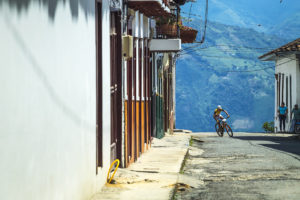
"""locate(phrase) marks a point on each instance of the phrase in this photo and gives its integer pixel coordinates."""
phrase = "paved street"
(153, 176)
(247, 166)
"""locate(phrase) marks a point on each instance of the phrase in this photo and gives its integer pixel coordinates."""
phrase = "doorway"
(116, 84)
(99, 127)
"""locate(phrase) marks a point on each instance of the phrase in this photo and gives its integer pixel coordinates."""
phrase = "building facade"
(146, 79)
(287, 78)
(82, 83)
(51, 61)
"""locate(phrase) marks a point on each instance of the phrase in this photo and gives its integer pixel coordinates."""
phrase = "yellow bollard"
(112, 164)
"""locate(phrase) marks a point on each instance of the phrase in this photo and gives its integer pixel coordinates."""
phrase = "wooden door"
(149, 64)
(129, 151)
(98, 84)
(140, 103)
(116, 86)
(134, 131)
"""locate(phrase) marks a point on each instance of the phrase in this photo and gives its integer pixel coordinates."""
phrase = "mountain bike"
(297, 127)
(222, 126)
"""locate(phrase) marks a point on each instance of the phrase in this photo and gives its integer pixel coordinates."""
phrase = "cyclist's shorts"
(219, 117)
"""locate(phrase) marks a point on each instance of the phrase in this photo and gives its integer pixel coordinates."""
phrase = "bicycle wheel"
(229, 130)
(219, 132)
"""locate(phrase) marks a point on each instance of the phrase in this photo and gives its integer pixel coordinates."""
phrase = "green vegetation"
(289, 28)
(191, 141)
(225, 70)
(183, 163)
(268, 127)
(185, 157)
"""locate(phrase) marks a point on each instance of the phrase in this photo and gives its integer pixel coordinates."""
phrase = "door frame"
(99, 94)
(116, 86)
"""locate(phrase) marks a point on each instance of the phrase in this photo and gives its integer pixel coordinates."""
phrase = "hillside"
(289, 28)
(263, 16)
(222, 71)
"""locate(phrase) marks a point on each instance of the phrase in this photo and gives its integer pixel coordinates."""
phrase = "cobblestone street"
(247, 166)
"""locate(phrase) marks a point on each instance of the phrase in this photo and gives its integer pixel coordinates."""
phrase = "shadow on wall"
(44, 79)
(22, 5)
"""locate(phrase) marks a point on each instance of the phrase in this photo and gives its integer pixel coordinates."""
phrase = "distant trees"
(268, 127)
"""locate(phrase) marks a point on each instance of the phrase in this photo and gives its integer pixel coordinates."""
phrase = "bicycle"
(297, 127)
(221, 126)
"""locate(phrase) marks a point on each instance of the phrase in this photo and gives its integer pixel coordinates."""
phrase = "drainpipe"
(177, 19)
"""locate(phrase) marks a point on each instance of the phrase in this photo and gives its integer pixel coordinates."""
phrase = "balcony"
(167, 27)
(169, 30)
(151, 8)
(165, 45)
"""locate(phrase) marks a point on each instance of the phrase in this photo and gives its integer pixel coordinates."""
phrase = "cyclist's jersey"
(218, 112)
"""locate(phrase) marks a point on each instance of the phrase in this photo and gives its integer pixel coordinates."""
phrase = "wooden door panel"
(116, 85)
(98, 85)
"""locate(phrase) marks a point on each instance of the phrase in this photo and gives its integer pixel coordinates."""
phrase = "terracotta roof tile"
(292, 46)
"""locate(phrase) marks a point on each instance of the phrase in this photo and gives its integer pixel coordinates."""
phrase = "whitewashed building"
(55, 125)
(83, 82)
(287, 77)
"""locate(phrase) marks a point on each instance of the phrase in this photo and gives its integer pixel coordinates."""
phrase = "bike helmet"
(219, 107)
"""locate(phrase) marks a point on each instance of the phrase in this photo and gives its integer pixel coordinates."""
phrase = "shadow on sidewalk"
(285, 144)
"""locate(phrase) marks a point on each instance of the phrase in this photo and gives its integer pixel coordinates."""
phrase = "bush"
(268, 127)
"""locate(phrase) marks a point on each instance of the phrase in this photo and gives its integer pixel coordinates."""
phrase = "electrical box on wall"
(127, 46)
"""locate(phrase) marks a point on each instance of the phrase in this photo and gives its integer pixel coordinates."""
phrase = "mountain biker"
(217, 114)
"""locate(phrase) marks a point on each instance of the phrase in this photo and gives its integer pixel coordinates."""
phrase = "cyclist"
(217, 114)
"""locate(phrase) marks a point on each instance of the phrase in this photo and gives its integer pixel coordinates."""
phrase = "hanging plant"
(187, 34)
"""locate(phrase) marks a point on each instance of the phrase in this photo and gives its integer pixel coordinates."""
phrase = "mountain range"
(268, 16)
(225, 69)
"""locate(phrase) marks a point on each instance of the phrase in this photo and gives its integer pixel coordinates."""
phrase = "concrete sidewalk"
(154, 175)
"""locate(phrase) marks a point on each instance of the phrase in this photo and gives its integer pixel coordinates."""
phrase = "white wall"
(135, 34)
(142, 32)
(139, 31)
(106, 115)
(289, 66)
(48, 104)
(146, 27)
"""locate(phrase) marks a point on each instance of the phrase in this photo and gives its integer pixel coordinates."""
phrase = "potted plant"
(166, 26)
(187, 34)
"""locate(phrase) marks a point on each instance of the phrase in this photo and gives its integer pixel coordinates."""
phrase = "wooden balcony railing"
(169, 30)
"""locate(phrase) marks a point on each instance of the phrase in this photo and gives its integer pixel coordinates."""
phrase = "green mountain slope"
(225, 70)
(261, 15)
(289, 28)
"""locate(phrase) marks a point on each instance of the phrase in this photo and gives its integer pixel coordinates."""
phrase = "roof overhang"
(150, 8)
(287, 49)
(275, 56)
(165, 45)
(269, 57)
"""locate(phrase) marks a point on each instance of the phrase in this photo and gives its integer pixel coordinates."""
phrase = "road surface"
(247, 166)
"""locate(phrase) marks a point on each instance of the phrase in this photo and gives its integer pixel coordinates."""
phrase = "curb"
(174, 190)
